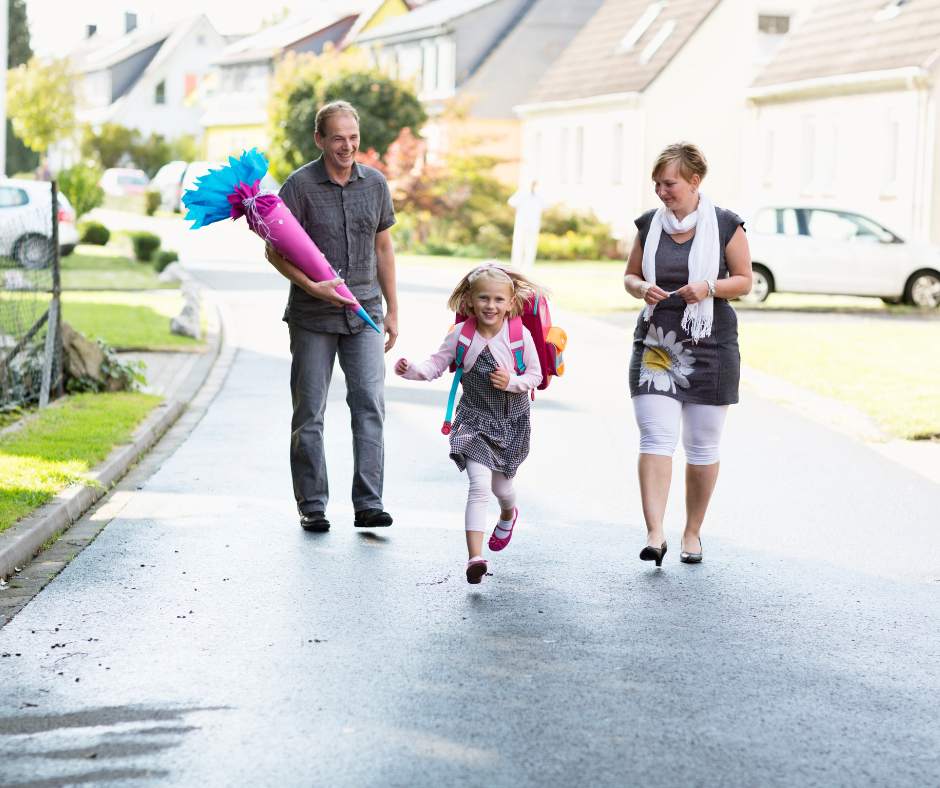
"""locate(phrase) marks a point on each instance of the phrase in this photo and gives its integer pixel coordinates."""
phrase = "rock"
(174, 272)
(187, 322)
(84, 358)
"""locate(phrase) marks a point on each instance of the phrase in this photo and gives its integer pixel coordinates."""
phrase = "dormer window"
(890, 11)
(159, 93)
(658, 40)
(773, 24)
(635, 33)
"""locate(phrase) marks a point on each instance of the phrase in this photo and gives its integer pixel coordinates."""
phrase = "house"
(237, 108)
(147, 78)
(640, 75)
(460, 54)
(845, 115)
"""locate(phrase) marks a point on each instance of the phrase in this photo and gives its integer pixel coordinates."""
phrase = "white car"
(169, 183)
(26, 222)
(123, 181)
(800, 249)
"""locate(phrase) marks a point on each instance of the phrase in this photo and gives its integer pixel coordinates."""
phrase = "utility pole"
(4, 49)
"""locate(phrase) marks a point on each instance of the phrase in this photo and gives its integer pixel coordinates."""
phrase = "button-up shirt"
(343, 222)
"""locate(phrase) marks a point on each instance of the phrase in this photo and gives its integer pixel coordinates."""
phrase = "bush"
(95, 233)
(163, 258)
(572, 236)
(80, 185)
(145, 245)
(570, 246)
(151, 202)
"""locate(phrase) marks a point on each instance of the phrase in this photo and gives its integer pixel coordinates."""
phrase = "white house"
(845, 115)
(642, 74)
(147, 79)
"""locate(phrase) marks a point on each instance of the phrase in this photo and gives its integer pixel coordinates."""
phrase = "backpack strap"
(463, 343)
(517, 344)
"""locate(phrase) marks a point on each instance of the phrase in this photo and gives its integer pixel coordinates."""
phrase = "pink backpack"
(550, 342)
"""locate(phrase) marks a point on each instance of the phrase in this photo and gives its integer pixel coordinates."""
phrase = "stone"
(174, 272)
(187, 322)
(83, 358)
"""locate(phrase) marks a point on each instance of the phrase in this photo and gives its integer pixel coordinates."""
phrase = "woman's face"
(491, 301)
(674, 190)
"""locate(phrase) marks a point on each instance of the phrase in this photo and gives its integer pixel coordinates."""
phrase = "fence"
(30, 289)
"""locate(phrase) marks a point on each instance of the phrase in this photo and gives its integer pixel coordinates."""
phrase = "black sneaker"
(373, 518)
(315, 521)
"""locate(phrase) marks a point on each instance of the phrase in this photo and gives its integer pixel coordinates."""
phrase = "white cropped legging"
(658, 418)
(482, 481)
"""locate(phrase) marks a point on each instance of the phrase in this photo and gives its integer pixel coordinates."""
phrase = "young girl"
(489, 436)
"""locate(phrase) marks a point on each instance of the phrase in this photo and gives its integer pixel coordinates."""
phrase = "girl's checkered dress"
(491, 427)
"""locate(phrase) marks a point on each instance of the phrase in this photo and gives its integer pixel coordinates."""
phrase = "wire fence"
(30, 289)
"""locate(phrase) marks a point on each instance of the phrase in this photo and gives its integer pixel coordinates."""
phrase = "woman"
(689, 258)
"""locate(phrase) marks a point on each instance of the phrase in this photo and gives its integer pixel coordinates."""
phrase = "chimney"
(130, 22)
(90, 30)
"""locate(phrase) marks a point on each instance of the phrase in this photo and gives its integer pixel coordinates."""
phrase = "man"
(346, 208)
(525, 235)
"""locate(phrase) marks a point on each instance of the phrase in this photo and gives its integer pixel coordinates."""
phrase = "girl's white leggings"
(658, 418)
(482, 482)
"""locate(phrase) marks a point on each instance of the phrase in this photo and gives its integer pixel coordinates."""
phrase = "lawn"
(61, 444)
(107, 268)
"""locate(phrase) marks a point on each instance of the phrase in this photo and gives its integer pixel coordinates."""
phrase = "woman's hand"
(401, 366)
(653, 294)
(693, 292)
(499, 377)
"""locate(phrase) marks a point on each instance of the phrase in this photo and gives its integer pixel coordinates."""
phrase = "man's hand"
(499, 377)
(391, 328)
(327, 291)
(322, 290)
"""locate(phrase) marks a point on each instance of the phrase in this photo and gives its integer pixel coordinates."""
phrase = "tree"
(19, 157)
(303, 83)
(41, 102)
(151, 153)
(80, 185)
(112, 145)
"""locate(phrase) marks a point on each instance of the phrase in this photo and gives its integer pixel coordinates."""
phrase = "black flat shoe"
(315, 522)
(653, 554)
(372, 518)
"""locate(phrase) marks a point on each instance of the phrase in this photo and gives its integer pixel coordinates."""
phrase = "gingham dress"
(491, 427)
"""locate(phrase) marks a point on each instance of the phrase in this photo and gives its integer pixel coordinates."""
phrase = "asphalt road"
(203, 638)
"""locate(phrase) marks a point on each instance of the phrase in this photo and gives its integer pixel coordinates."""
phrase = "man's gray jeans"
(362, 358)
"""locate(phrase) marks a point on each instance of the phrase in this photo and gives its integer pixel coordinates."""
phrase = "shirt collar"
(322, 176)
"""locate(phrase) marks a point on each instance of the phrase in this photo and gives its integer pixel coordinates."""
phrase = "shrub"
(145, 245)
(163, 258)
(151, 202)
(80, 185)
(95, 233)
(570, 246)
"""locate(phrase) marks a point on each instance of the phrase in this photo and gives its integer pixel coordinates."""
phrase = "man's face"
(340, 141)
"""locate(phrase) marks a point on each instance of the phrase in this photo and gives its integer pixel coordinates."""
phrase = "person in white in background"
(525, 235)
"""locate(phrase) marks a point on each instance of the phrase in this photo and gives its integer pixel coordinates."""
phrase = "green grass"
(124, 320)
(106, 268)
(889, 370)
(61, 445)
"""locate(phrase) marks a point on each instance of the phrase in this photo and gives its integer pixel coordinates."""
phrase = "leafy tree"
(111, 145)
(19, 158)
(184, 148)
(303, 83)
(41, 102)
(151, 153)
(80, 184)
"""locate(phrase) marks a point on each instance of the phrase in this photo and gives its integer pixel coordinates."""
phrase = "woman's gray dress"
(665, 360)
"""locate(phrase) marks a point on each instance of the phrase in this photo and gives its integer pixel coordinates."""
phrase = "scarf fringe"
(696, 321)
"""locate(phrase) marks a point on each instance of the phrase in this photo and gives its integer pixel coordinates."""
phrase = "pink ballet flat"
(496, 543)
(476, 568)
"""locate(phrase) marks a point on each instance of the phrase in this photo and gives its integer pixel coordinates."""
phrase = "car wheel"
(762, 285)
(923, 289)
(33, 251)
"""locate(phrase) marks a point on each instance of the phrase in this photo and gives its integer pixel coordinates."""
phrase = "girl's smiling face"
(491, 301)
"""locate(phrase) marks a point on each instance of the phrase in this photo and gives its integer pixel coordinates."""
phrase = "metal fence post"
(50, 361)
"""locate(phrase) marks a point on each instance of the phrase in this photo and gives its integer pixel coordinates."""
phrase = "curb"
(20, 543)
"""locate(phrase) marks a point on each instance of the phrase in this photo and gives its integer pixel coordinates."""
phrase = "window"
(616, 157)
(829, 226)
(190, 83)
(892, 153)
(658, 40)
(635, 33)
(564, 156)
(159, 95)
(808, 155)
(769, 157)
(537, 153)
(429, 67)
(773, 24)
(777, 221)
(579, 154)
(11, 197)
(890, 11)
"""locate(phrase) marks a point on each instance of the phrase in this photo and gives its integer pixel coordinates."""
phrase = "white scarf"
(703, 260)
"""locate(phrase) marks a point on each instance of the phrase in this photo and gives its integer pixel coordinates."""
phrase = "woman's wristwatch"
(711, 287)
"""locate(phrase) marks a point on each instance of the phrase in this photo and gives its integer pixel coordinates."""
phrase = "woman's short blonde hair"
(690, 159)
(327, 111)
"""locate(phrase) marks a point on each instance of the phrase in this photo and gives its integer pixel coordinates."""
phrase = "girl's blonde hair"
(691, 160)
(522, 287)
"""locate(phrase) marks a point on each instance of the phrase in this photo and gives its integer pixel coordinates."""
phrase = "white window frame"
(635, 33)
(657, 41)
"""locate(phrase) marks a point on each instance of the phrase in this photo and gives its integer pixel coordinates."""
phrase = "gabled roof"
(598, 63)
(542, 34)
(841, 37)
(96, 55)
(270, 42)
(432, 15)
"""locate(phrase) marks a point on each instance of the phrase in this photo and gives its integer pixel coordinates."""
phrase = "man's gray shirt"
(343, 222)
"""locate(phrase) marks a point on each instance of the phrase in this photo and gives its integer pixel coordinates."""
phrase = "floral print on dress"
(665, 363)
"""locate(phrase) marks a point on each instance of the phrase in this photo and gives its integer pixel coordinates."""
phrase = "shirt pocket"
(362, 250)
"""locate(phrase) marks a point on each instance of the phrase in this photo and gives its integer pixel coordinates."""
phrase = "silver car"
(800, 249)
(26, 222)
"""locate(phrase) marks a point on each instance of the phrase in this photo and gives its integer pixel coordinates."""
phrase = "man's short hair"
(327, 111)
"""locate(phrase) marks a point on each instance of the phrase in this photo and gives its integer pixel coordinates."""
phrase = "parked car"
(168, 182)
(825, 250)
(26, 222)
(123, 181)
